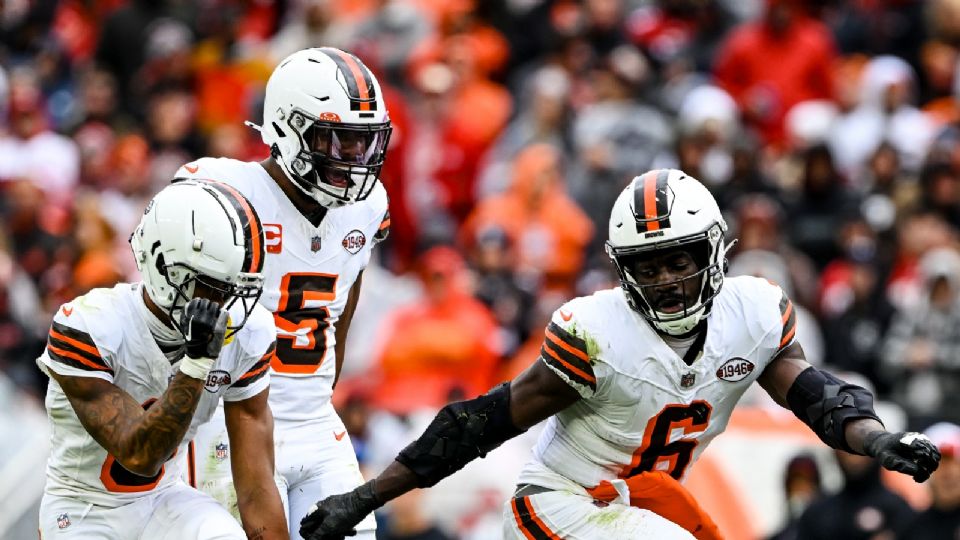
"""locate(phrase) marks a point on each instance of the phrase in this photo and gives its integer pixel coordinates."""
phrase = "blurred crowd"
(828, 130)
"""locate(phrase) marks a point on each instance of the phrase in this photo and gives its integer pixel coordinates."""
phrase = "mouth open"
(670, 305)
(337, 178)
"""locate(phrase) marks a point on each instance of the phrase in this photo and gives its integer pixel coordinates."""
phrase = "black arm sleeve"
(461, 432)
(826, 404)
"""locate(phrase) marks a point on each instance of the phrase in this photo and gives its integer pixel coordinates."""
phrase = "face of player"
(346, 147)
(668, 279)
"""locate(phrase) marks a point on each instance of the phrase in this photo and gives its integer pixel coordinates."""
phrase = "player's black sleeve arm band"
(460, 433)
(826, 404)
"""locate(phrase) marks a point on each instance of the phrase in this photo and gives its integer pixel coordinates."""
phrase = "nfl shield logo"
(687, 380)
(63, 521)
(220, 451)
(315, 244)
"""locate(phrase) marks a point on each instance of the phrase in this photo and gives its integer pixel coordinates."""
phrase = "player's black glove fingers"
(204, 324)
(337, 516)
(908, 453)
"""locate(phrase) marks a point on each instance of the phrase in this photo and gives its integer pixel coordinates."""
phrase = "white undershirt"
(679, 345)
(169, 339)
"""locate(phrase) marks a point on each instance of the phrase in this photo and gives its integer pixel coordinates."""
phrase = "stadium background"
(828, 130)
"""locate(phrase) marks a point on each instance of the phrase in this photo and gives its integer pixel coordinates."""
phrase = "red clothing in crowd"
(768, 72)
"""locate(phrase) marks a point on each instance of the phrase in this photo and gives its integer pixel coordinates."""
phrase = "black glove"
(204, 325)
(905, 452)
(336, 516)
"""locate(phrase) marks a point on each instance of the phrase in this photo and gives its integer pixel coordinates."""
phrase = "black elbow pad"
(826, 404)
(461, 432)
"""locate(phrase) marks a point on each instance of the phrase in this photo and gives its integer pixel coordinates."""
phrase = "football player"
(323, 209)
(634, 383)
(135, 369)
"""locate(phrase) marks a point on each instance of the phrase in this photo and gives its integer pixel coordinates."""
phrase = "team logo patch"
(687, 380)
(315, 244)
(216, 379)
(735, 369)
(63, 521)
(220, 451)
(274, 236)
(354, 241)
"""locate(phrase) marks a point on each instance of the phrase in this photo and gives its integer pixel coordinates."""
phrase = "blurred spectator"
(856, 317)
(544, 117)
(21, 324)
(310, 23)
(441, 349)
(407, 521)
(707, 122)
(32, 150)
(863, 509)
(121, 47)
(492, 258)
(821, 207)
(666, 29)
(885, 113)
(772, 64)
(801, 486)
(758, 223)
(917, 234)
(616, 136)
(940, 186)
(942, 519)
(546, 229)
(921, 354)
(461, 114)
(889, 193)
(389, 36)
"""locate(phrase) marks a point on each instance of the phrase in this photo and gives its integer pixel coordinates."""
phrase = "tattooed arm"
(141, 440)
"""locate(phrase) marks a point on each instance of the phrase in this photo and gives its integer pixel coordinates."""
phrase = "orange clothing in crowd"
(548, 230)
(444, 347)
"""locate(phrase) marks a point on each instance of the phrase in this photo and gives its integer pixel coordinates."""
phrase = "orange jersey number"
(302, 329)
(657, 452)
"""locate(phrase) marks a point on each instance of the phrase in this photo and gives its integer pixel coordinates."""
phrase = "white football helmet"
(200, 232)
(664, 209)
(326, 124)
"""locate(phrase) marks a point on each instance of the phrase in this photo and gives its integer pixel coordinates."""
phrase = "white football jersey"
(104, 334)
(643, 407)
(305, 304)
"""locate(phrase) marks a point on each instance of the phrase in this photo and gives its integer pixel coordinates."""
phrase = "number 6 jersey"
(643, 408)
(305, 304)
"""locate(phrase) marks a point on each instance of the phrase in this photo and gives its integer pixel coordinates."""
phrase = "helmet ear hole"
(161, 265)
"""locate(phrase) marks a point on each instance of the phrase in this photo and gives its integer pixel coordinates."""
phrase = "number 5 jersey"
(308, 274)
(643, 407)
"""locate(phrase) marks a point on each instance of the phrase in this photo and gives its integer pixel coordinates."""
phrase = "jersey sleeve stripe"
(529, 522)
(75, 360)
(789, 320)
(251, 377)
(75, 335)
(577, 375)
(258, 369)
(74, 344)
(565, 354)
(568, 341)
